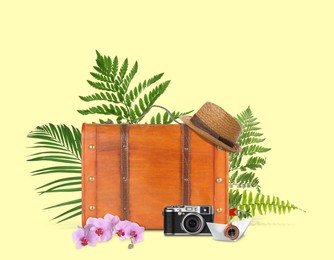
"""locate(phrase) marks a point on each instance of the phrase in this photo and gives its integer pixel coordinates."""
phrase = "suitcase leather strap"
(185, 182)
(124, 181)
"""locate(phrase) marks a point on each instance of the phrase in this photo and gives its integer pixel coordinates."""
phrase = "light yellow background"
(276, 56)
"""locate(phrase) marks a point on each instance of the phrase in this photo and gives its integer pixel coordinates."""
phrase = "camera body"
(187, 220)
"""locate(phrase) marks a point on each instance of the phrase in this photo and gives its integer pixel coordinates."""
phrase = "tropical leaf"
(143, 105)
(167, 118)
(253, 149)
(250, 157)
(76, 209)
(253, 163)
(127, 80)
(102, 96)
(135, 93)
(60, 144)
(58, 169)
(71, 202)
(78, 178)
(261, 204)
(243, 167)
(245, 180)
(104, 110)
(125, 103)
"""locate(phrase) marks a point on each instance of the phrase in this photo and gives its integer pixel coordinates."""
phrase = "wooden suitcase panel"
(107, 170)
(202, 171)
(155, 171)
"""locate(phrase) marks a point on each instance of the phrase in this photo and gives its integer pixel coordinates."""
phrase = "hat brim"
(187, 120)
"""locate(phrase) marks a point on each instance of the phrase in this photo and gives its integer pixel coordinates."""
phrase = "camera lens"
(192, 223)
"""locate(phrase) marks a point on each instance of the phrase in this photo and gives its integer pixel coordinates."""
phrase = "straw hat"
(215, 125)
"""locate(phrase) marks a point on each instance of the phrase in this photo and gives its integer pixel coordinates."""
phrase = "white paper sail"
(217, 230)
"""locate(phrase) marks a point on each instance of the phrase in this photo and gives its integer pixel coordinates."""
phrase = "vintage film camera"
(187, 220)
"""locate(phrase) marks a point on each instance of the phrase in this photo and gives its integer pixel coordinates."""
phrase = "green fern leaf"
(127, 80)
(102, 78)
(114, 67)
(104, 110)
(253, 149)
(105, 65)
(253, 163)
(251, 140)
(141, 105)
(263, 204)
(152, 97)
(114, 83)
(256, 200)
(158, 118)
(244, 198)
(99, 85)
(246, 137)
(253, 208)
(124, 69)
(250, 198)
(233, 177)
(137, 110)
(135, 93)
(102, 96)
(166, 119)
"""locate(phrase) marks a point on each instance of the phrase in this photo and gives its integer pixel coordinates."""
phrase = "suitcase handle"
(144, 114)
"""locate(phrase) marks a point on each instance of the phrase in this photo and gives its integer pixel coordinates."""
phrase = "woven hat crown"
(218, 120)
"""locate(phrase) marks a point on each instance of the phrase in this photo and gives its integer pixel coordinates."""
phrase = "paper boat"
(218, 231)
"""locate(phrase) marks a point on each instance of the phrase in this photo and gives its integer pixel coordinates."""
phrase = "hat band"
(201, 125)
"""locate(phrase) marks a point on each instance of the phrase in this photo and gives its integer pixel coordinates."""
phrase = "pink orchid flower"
(113, 221)
(136, 232)
(101, 228)
(122, 229)
(84, 236)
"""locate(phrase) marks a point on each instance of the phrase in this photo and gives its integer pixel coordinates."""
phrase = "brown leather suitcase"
(134, 171)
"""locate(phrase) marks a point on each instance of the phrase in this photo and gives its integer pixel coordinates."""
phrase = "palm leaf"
(60, 144)
(71, 202)
(58, 188)
(58, 169)
(60, 180)
(76, 209)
